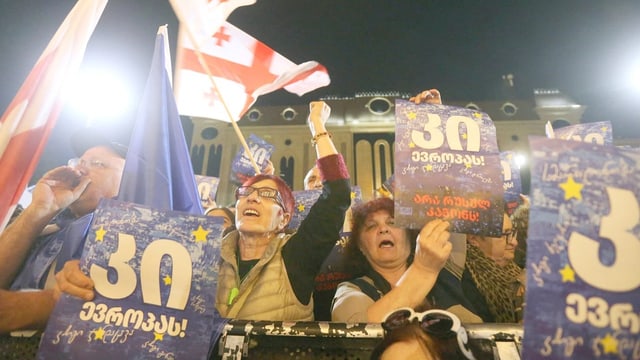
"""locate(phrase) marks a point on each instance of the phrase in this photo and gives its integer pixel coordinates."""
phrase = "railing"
(309, 340)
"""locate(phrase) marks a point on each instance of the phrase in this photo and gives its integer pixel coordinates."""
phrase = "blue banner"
(155, 281)
(583, 277)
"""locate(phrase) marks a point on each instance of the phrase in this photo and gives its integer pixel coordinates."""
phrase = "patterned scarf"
(498, 284)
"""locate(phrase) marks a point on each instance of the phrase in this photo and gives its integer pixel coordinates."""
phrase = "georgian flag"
(242, 69)
(27, 122)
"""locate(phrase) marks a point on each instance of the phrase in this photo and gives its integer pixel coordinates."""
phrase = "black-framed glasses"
(438, 323)
(263, 192)
(510, 235)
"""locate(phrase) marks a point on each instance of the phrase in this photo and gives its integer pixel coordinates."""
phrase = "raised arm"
(319, 112)
(432, 250)
(56, 190)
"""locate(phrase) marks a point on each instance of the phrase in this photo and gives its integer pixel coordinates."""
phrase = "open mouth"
(386, 244)
(250, 212)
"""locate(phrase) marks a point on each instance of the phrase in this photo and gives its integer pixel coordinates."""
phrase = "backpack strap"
(367, 288)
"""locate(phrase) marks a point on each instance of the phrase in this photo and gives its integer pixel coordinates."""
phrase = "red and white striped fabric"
(27, 122)
(242, 67)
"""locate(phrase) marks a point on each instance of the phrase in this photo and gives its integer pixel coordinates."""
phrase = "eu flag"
(158, 171)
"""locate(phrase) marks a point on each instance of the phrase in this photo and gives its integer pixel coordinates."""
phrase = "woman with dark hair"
(394, 274)
(265, 273)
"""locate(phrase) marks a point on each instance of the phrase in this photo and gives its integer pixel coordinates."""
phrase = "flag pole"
(215, 87)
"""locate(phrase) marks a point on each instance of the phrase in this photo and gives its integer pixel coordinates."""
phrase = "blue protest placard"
(596, 133)
(512, 182)
(241, 167)
(304, 200)
(207, 189)
(447, 166)
(583, 277)
(155, 282)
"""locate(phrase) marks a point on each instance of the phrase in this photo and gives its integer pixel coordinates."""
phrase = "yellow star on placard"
(412, 145)
(353, 195)
(158, 336)
(568, 275)
(100, 234)
(98, 334)
(609, 344)
(571, 189)
(477, 115)
(200, 234)
(604, 129)
(412, 115)
(428, 167)
(300, 207)
(464, 136)
(467, 165)
(167, 280)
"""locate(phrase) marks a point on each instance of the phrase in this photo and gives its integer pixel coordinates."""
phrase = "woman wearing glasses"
(490, 264)
(265, 273)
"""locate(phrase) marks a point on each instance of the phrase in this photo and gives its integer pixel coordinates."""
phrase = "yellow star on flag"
(167, 280)
(412, 115)
(98, 334)
(568, 275)
(609, 344)
(158, 336)
(571, 189)
(200, 234)
(300, 207)
(100, 234)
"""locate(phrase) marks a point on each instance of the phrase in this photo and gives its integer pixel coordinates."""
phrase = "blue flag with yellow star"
(583, 278)
(154, 275)
(447, 166)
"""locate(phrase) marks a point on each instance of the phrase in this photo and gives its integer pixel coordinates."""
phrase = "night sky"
(584, 48)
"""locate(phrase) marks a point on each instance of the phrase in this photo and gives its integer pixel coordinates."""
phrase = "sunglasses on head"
(438, 323)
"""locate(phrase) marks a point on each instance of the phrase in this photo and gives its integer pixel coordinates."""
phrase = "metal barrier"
(308, 340)
(328, 340)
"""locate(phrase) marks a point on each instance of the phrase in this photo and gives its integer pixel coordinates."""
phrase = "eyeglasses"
(510, 235)
(438, 323)
(91, 164)
(263, 192)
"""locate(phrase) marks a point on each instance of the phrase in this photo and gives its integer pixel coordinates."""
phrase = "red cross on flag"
(242, 67)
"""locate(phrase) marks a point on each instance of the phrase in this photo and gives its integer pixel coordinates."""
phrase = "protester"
(428, 335)
(495, 274)
(394, 276)
(486, 280)
(51, 229)
(266, 274)
(313, 180)
(228, 217)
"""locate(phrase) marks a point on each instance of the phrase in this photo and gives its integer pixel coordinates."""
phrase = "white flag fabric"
(27, 122)
(242, 67)
(204, 17)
